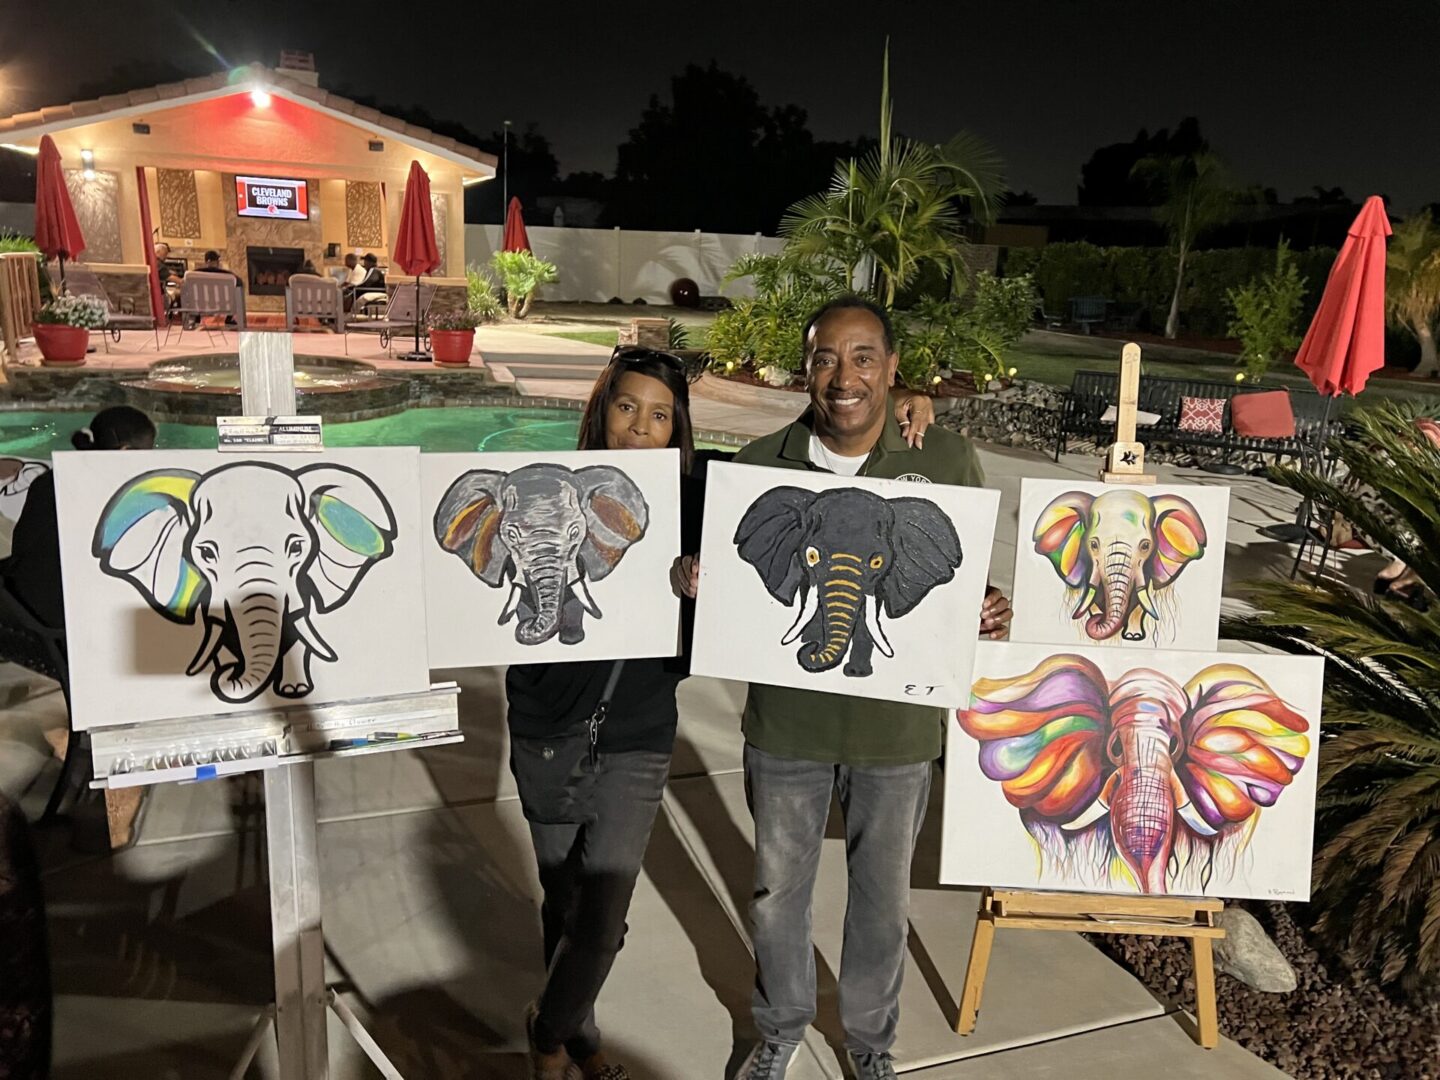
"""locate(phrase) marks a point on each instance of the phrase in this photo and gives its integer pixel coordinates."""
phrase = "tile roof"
(157, 95)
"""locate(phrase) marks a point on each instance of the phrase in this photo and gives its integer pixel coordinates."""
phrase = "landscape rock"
(1247, 953)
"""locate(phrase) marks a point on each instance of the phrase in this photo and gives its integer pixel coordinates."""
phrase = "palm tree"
(899, 208)
(1377, 868)
(1412, 284)
(1196, 198)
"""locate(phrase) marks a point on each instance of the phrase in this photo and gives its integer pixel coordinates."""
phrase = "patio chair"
(401, 316)
(1088, 311)
(308, 296)
(207, 296)
(80, 280)
(26, 641)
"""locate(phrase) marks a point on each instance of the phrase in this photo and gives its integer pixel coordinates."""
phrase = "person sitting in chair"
(212, 265)
(372, 282)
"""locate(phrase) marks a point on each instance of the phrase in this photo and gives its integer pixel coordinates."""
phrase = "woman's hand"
(995, 615)
(685, 575)
(914, 412)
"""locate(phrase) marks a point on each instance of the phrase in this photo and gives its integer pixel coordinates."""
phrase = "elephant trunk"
(1117, 582)
(842, 602)
(1142, 807)
(547, 581)
(258, 620)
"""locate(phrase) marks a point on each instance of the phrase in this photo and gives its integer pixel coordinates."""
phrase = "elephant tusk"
(1089, 816)
(1085, 602)
(807, 612)
(306, 632)
(1147, 601)
(1185, 807)
(512, 602)
(582, 593)
(209, 645)
(872, 623)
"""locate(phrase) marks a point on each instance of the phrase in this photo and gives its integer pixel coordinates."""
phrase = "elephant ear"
(769, 537)
(616, 516)
(141, 537)
(16, 475)
(467, 524)
(354, 529)
(1179, 537)
(1060, 536)
(926, 553)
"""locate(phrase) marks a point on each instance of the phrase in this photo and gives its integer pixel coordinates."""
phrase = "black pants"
(588, 873)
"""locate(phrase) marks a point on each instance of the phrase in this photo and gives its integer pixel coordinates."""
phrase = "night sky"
(1292, 94)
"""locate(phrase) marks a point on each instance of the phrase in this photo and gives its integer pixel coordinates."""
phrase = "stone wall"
(245, 232)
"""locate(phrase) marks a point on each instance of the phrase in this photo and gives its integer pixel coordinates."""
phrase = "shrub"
(946, 333)
(522, 273)
(1266, 314)
(456, 320)
(678, 334)
(764, 331)
(480, 295)
(84, 311)
(11, 241)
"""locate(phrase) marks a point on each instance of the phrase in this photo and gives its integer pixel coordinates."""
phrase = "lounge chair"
(402, 314)
(308, 296)
(80, 280)
(205, 295)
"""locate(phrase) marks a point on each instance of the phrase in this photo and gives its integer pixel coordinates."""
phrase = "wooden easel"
(1104, 913)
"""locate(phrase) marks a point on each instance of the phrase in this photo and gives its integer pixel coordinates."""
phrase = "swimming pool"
(481, 427)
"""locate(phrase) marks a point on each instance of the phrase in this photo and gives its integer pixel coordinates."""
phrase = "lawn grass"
(608, 338)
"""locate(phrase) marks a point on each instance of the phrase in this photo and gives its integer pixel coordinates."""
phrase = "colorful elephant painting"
(1141, 782)
(1118, 553)
(254, 551)
(549, 531)
(847, 554)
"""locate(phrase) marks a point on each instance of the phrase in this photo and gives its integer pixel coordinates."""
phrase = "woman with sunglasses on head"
(591, 803)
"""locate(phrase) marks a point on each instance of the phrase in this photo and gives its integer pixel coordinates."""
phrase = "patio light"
(259, 98)
(87, 160)
(31, 150)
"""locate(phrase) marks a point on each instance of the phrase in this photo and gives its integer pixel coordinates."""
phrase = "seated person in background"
(372, 282)
(212, 265)
(354, 272)
(309, 268)
(169, 280)
(32, 572)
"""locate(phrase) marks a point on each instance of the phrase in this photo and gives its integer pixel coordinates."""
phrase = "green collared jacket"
(838, 728)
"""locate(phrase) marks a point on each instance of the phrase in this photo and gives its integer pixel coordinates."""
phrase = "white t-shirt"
(836, 463)
(356, 275)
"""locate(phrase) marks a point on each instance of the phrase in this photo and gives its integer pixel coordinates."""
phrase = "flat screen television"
(267, 197)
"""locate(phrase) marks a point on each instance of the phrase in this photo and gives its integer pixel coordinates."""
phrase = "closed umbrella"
(415, 249)
(57, 229)
(1346, 339)
(515, 238)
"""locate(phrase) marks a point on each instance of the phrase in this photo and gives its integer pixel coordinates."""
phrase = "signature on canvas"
(1141, 782)
(549, 531)
(845, 555)
(253, 551)
(1118, 554)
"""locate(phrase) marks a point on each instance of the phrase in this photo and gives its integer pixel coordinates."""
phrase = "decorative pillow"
(1264, 415)
(1142, 418)
(1202, 415)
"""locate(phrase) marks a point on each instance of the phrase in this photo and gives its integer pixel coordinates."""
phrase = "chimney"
(300, 66)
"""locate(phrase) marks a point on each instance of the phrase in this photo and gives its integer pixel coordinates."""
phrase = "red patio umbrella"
(57, 229)
(415, 249)
(515, 238)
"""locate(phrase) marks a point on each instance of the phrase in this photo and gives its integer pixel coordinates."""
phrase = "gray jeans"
(884, 807)
(588, 873)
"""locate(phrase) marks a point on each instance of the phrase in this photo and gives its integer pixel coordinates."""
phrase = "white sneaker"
(768, 1061)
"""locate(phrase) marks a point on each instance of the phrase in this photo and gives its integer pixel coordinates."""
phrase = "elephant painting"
(847, 554)
(254, 551)
(1115, 552)
(549, 531)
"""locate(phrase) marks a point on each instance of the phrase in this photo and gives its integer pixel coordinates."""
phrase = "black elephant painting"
(846, 555)
(253, 551)
(548, 531)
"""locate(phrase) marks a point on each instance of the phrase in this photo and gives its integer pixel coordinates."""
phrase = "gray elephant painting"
(847, 555)
(1116, 552)
(547, 530)
(253, 551)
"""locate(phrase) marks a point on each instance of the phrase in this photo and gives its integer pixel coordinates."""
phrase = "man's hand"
(685, 575)
(995, 615)
(914, 412)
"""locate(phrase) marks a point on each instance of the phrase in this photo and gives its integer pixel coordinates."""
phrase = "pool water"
(307, 377)
(486, 427)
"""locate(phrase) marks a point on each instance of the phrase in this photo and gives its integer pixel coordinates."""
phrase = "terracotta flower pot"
(61, 346)
(452, 346)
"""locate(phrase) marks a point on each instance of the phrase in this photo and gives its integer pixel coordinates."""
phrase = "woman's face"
(641, 414)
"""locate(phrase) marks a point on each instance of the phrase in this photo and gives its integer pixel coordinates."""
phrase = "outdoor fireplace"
(269, 269)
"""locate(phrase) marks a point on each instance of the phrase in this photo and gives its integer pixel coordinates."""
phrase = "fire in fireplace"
(270, 269)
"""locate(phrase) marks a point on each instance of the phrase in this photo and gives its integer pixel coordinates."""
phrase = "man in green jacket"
(801, 745)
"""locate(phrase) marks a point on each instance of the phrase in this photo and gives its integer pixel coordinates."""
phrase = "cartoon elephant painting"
(549, 531)
(253, 549)
(848, 554)
(1115, 551)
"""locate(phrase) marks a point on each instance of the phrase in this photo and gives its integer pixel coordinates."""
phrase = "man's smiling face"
(850, 370)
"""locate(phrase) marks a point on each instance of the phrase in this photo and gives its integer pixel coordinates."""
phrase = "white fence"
(598, 264)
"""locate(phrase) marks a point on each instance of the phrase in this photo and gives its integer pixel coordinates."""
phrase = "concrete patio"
(161, 952)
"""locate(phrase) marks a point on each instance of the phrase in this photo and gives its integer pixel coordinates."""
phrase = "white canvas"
(503, 528)
(199, 583)
(792, 563)
(16, 476)
(1103, 770)
(1166, 544)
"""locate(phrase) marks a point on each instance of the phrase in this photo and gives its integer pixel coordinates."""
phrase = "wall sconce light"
(260, 99)
(377, 146)
(87, 160)
(140, 128)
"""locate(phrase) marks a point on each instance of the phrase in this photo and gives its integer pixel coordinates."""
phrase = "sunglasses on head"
(634, 354)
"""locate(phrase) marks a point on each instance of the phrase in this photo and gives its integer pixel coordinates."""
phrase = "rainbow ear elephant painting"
(247, 583)
(1102, 564)
(537, 560)
(1104, 770)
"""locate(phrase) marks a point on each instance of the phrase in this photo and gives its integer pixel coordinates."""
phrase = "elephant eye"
(877, 561)
(1144, 545)
(295, 547)
(513, 533)
(811, 556)
(207, 553)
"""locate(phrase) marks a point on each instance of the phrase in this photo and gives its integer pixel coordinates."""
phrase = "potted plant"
(62, 328)
(452, 336)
